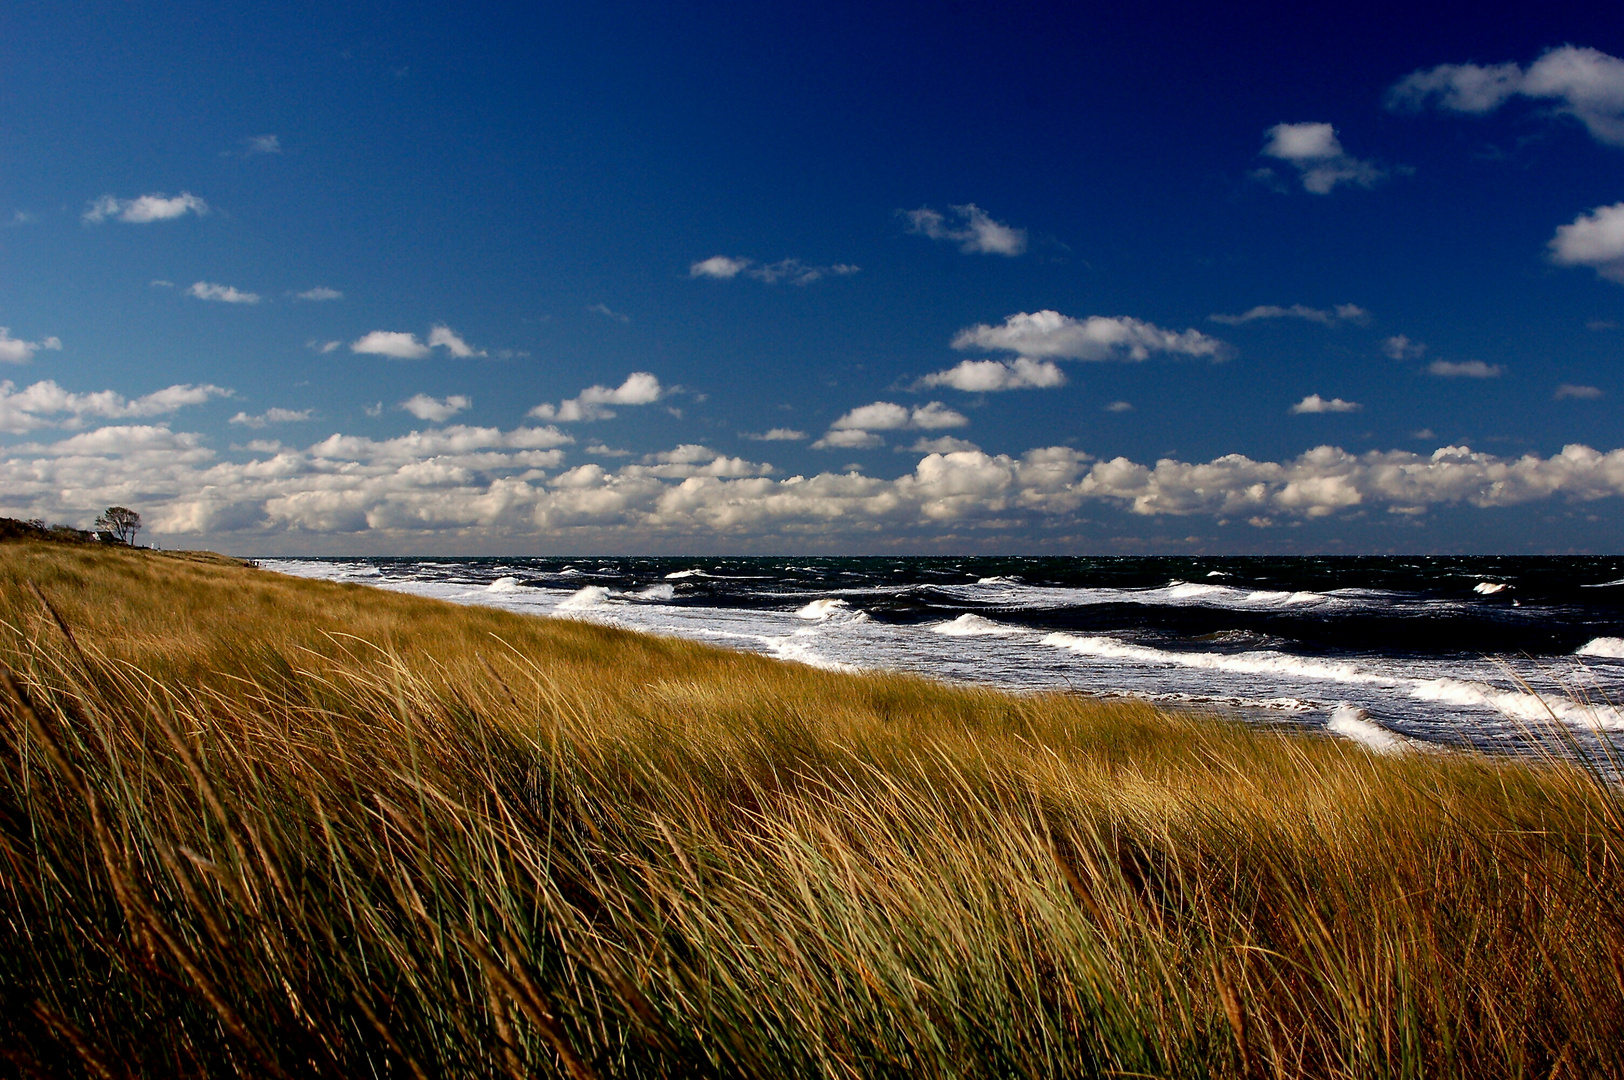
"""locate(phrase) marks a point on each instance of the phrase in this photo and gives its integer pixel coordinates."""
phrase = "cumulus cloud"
(971, 228)
(435, 410)
(47, 405)
(225, 294)
(1595, 240)
(262, 144)
(272, 416)
(777, 434)
(1317, 155)
(981, 376)
(1340, 313)
(143, 209)
(1049, 334)
(725, 268)
(1399, 347)
(1466, 369)
(1583, 83)
(1313, 403)
(942, 444)
(692, 459)
(320, 292)
(17, 351)
(640, 388)
(1575, 392)
(855, 430)
(403, 346)
(488, 484)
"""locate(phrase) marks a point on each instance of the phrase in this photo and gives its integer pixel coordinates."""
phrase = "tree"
(121, 521)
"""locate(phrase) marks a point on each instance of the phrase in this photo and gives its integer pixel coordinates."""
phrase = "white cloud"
(271, 416)
(225, 294)
(442, 336)
(795, 271)
(1098, 337)
(1119, 407)
(262, 144)
(1340, 313)
(144, 208)
(1317, 155)
(323, 346)
(435, 410)
(975, 232)
(17, 351)
(848, 439)
(1466, 369)
(718, 266)
(1313, 403)
(478, 485)
(320, 292)
(403, 346)
(943, 444)
(1574, 392)
(1585, 84)
(980, 376)
(391, 343)
(855, 430)
(777, 434)
(46, 405)
(1595, 240)
(640, 388)
(1399, 347)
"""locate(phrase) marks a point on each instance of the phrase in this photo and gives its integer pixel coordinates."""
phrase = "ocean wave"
(794, 647)
(970, 625)
(593, 596)
(1522, 705)
(1489, 588)
(657, 592)
(1610, 647)
(1352, 722)
(678, 575)
(832, 607)
(503, 584)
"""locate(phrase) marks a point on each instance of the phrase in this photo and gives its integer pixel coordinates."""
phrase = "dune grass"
(257, 825)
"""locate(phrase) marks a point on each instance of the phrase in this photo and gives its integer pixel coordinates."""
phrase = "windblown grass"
(264, 826)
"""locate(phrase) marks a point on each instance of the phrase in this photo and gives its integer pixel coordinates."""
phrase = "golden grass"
(257, 825)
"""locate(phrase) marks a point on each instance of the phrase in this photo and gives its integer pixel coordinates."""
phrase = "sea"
(1505, 655)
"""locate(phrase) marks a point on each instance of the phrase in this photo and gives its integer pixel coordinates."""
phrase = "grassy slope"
(252, 824)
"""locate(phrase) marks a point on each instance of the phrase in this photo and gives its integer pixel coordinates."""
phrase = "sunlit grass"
(258, 825)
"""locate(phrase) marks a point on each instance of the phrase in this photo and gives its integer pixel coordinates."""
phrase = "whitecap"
(678, 575)
(1354, 723)
(826, 608)
(971, 625)
(1610, 647)
(1489, 588)
(503, 584)
(657, 592)
(585, 599)
(999, 579)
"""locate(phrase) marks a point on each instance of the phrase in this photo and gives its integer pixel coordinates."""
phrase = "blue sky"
(1009, 278)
